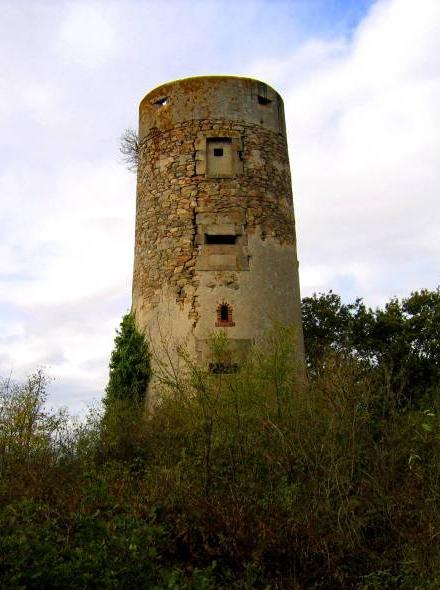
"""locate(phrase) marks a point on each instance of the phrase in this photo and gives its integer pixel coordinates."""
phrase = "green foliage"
(400, 343)
(254, 480)
(330, 324)
(122, 426)
(309, 485)
(30, 433)
(129, 364)
(122, 432)
(109, 549)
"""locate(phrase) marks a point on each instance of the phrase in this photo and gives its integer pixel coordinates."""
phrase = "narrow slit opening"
(162, 101)
(220, 239)
(263, 100)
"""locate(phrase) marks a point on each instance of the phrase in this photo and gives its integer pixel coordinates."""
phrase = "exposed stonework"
(214, 220)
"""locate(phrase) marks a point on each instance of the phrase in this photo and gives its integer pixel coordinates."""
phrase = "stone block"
(223, 229)
(216, 262)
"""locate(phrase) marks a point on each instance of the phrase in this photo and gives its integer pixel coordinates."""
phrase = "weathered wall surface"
(214, 222)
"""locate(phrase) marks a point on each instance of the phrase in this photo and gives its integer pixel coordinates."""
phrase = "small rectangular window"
(218, 151)
(220, 239)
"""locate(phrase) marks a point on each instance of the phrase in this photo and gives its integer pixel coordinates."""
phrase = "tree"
(332, 326)
(129, 365)
(129, 148)
(406, 339)
(400, 342)
(30, 432)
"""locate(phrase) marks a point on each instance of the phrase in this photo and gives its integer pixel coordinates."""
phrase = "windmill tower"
(215, 244)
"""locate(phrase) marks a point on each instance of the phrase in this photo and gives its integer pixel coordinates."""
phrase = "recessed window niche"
(219, 152)
(224, 316)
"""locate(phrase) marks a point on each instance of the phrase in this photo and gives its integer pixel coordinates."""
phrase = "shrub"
(129, 364)
(244, 481)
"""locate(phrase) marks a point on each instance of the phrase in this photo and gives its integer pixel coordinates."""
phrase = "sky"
(361, 85)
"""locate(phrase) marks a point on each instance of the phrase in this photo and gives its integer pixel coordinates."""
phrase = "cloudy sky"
(361, 84)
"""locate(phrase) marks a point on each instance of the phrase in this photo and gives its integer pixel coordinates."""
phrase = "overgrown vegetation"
(250, 480)
(129, 365)
(400, 343)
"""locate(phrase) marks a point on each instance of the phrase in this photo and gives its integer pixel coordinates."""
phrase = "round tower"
(215, 246)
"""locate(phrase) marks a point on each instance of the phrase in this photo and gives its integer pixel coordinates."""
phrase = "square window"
(220, 157)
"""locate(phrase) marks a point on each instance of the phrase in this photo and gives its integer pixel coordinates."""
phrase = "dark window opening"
(224, 313)
(162, 101)
(220, 239)
(263, 100)
(218, 151)
(224, 316)
(223, 368)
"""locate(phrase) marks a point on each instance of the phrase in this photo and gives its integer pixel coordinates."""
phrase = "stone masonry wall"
(174, 199)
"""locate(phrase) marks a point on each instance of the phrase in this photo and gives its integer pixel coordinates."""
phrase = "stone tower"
(215, 231)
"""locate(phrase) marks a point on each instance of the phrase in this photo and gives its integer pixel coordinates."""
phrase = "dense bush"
(400, 343)
(129, 365)
(251, 480)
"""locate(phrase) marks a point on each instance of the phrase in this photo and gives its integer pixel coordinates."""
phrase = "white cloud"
(88, 33)
(79, 236)
(72, 342)
(364, 138)
(66, 273)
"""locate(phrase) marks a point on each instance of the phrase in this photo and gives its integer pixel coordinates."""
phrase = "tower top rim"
(194, 80)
